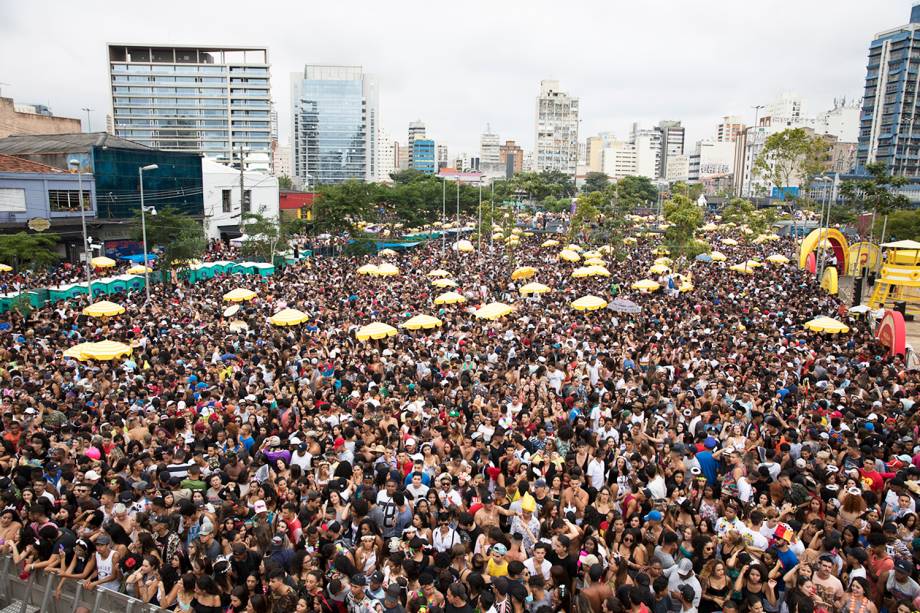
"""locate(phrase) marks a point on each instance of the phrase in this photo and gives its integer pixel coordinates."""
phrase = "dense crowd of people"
(705, 454)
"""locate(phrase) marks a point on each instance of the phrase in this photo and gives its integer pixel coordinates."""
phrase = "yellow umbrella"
(658, 269)
(771, 237)
(498, 236)
(574, 247)
(605, 249)
(76, 352)
(535, 288)
(449, 298)
(5, 268)
(237, 326)
(661, 251)
(493, 310)
(569, 256)
(718, 256)
(421, 321)
(646, 285)
(103, 308)
(104, 350)
(139, 269)
(386, 270)
(629, 240)
(595, 262)
(102, 262)
(239, 295)
(528, 234)
(376, 330)
(517, 231)
(665, 261)
(581, 272)
(591, 254)
(288, 317)
(386, 252)
(742, 268)
(513, 239)
(443, 283)
(439, 272)
(826, 324)
(463, 246)
(598, 271)
(777, 258)
(524, 272)
(729, 241)
(710, 227)
(368, 269)
(550, 243)
(753, 264)
(589, 303)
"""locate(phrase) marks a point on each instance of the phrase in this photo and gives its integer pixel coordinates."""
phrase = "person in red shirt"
(294, 528)
(871, 478)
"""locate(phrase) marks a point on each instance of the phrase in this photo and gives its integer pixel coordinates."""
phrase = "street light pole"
(480, 217)
(86, 254)
(443, 215)
(140, 176)
(825, 212)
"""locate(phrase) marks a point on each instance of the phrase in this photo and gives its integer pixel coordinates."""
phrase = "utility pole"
(89, 123)
(242, 188)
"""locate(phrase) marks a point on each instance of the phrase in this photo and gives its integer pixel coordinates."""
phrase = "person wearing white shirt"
(444, 537)
(538, 563)
(597, 470)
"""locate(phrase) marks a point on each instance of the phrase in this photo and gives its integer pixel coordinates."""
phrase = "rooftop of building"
(10, 163)
(65, 143)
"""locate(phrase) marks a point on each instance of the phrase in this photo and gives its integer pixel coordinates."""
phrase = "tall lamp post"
(75, 164)
(140, 177)
(825, 230)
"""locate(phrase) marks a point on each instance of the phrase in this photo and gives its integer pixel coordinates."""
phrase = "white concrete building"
(711, 158)
(489, 144)
(281, 161)
(788, 105)
(556, 142)
(387, 156)
(223, 206)
(841, 121)
(678, 168)
(729, 129)
(621, 159)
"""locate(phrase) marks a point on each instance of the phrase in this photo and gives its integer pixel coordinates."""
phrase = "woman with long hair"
(852, 507)
(717, 587)
(856, 599)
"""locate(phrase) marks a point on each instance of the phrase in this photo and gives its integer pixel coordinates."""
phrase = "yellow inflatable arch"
(863, 255)
(838, 243)
(829, 280)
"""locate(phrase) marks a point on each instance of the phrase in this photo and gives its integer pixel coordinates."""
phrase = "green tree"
(904, 225)
(285, 182)
(587, 210)
(264, 236)
(738, 211)
(179, 237)
(792, 156)
(338, 208)
(24, 249)
(636, 191)
(685, 218)
(595, 182)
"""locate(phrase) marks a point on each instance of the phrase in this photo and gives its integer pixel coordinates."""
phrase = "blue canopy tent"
(138, 258)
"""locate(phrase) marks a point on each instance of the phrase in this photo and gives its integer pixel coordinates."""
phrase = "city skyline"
(715, 60)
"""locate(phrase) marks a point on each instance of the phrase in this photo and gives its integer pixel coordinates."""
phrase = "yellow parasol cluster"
(386, 270)
(288, 317)
(444, 283)
(450, 298)
(524, 272)
(826, 324)
(493, 310)
(463, 246)
(646, 285)
(239, 295)
(376, 331)
(368, 269)
(103, 308)
(777, 258)
(420, 322)
(103, 350)
(534, 288)
(569, 255)
(589, 303)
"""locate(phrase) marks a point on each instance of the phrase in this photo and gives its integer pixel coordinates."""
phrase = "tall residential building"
(556, 144)
(711, 158)
(672, 144)
(594, 154)
(489, 148)
(890, 105)
(442, 157)
(636, 158)
(387, 156)
(423, 156)
(513, 158)
(842, 121)
(416, 131)
(335, 124)
(651, 138)
(208, 100)
(281, 164)
(789, 106)
(729, 129)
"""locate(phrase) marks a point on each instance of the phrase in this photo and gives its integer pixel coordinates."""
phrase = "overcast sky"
(458, 66)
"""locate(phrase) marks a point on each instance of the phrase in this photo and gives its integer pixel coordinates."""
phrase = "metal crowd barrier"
(37, 594)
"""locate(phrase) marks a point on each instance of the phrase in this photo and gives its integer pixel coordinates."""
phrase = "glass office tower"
(334, 125)
(198, 99)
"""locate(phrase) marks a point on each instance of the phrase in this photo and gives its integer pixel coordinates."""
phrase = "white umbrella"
(859, 309)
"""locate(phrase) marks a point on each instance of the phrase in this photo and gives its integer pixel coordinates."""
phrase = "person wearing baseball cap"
(497, 565)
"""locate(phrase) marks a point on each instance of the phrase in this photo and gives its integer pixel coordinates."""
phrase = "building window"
(225, 201)
(247, 200)
(12, 200)
(67, 200)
